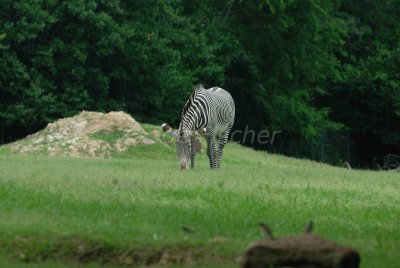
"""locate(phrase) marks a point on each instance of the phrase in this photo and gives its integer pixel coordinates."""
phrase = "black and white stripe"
(212, 109)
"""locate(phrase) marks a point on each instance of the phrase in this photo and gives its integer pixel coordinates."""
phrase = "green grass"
(5, 149)
(110, 137)
(150, 127)
(59, 211)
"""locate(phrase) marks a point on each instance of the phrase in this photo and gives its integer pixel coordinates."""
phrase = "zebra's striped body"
(211, 109)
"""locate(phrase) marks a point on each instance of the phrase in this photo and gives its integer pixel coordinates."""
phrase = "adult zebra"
(211, 112)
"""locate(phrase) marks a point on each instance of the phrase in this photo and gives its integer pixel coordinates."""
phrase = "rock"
(88, 134)
(79, 127)
(156, 133)
(37, 141)
(145, 140)
(306, 250)
(49, 138)
(130, 142)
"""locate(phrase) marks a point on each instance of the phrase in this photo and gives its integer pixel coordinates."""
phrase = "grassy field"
(130, 210)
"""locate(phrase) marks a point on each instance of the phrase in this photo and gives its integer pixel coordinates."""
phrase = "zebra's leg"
(210, 150)
(192, 152)
(220, 147)
(215, 153)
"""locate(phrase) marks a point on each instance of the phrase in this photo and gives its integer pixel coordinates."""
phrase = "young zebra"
(211, 112)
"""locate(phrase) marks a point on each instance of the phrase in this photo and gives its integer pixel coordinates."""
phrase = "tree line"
(326, 74)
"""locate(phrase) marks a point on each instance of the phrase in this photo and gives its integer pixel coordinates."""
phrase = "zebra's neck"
(188, 122)
(191, 115)
(195, 112)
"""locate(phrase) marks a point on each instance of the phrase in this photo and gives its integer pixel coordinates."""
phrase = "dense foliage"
(324, 73)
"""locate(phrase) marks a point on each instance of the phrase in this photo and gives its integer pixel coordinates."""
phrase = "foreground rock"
(306, 251)
(88, 134)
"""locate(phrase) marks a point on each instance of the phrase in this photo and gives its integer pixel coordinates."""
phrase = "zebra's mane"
(197, 87)
(191, 97)
(186, 107)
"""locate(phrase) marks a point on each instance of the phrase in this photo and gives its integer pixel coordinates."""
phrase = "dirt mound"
(88, 134)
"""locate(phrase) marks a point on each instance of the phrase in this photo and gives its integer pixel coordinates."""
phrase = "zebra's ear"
(198, 87)
(166, 128)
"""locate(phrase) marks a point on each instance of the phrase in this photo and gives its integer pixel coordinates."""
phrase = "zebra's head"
(183, 142)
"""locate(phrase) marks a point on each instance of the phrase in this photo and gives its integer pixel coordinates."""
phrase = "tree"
(367, 98)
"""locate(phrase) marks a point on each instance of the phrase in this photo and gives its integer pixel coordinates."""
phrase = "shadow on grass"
(70, 249)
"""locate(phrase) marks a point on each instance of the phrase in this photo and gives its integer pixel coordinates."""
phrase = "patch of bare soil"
(73, 249)
(88, 134)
